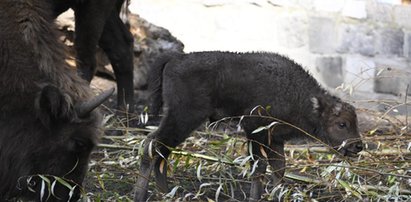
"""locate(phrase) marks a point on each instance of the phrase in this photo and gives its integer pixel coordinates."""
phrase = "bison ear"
(316, 105)
(321, 105)
(337, 109)
(53, 105)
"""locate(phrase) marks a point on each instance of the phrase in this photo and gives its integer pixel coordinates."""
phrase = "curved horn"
(84, 108)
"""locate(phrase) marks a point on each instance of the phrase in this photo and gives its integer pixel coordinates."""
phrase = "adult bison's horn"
(84, 108)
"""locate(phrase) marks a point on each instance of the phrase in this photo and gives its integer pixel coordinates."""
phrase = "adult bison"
(203, 85)
(97, 22)
(48, 125)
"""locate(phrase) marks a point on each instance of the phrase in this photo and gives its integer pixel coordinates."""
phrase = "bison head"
(338, 125)
(53, 149)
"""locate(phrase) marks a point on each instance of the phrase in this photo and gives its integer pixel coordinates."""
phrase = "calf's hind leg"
(174, 128)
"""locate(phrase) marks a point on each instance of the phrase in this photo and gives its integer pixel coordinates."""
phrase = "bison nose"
(358, 146)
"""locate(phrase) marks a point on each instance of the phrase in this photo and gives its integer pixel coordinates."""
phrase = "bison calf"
(197, 86)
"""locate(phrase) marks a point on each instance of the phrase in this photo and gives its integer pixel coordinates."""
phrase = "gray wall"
(359, 47)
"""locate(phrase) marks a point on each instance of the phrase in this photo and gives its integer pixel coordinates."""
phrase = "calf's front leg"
(146, 167)
(154, 158)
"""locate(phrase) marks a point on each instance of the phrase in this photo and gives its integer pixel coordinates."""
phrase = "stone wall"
(359, 45)
(362, 47)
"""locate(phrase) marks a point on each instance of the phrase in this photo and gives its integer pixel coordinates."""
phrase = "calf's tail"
(155, 80)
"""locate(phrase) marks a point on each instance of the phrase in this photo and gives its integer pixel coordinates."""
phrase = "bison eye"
(78, 145)
(342, 125)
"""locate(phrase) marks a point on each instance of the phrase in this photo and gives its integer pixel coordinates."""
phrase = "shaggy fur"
(98, 23)
(197, 86)
(40, 131)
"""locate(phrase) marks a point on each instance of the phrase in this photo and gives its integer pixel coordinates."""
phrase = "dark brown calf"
(197, 86)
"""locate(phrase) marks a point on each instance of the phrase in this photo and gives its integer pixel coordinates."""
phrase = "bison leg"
(157, 161)
(175, 127)
(275, 155)
(117, 43)
(265, 146)
(276, 160)
(259, 146)
(160, 172)
(257, 178)
(146, 166)
(90, 18)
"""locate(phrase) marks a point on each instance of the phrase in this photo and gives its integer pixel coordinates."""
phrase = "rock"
(356, 38)
(355, 9)
(359, 73)
(390, 41)
(379, 12)
(378, 123)
(407, 46)
(334, 6)
(330, 70)
(149, 41)
(392, 77)
(402, 16)
(321, 32)
(294, 34)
